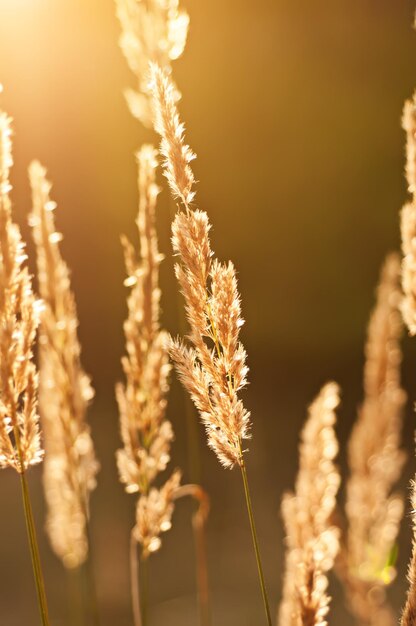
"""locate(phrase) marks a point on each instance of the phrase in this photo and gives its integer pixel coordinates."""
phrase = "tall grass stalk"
(144, 588)
(90, 587)
(20, 443)
(74, 597)
(255, 539)
(34, 551)
(212, 365)
(134, 581)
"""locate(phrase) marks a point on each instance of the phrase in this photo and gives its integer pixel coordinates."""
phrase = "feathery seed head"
(154, 513)
(312, 541)
(408, 220)
(145, 433)
(65, 390)
(177, 155)
(409, 613)
(409, 125)
(213, 369)
(20, 444)
(152, 31)
(375, 460)
(408, 233)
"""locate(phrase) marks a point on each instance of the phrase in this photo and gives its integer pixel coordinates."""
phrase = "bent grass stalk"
(199, 518)
(139, 565)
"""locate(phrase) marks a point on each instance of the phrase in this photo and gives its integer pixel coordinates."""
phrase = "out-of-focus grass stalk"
(134, 581)
(91, 600)
(74, 593)
(144, 588)
(198, 524)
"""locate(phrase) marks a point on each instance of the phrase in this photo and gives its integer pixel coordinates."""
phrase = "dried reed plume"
(312, 540)
(408, 231)
(409, 612)
(376, 461)
(145, 432)
(20, 444)
(152, 31)
(65, 391)
(212, 368)
(408, 219)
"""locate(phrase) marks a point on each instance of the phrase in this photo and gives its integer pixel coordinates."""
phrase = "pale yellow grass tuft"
(145, 432)
(152, 31)
(408, 220)
(409, 612)
(376, 461)
(20, 444)
(65, 390)
(177, 154)
(312, 540)
(212, 368)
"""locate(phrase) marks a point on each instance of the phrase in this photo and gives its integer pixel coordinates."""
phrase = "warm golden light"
(294, 111)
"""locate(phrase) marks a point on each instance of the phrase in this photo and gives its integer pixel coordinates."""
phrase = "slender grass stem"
(202, 573)
(75, 609)
(34, 551)
(144, 588)
(135, 581)
(91, 600)
(255, 540)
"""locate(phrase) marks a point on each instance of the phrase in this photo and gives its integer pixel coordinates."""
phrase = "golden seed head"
(151, 31)
(20, 444)
(65, 390)
(312, 539)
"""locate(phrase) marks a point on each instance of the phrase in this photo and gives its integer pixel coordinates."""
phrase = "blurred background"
(293, 108)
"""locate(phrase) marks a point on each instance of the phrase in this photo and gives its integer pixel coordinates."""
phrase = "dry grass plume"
(152, 31)
(65, 390)
(145, 432)
(20, 444)
(212, 368)
(312, 539)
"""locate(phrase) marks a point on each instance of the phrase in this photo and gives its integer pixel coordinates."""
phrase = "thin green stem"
(255, 540)
(34, 551)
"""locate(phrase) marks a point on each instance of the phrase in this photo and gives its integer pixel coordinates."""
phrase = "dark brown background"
(293, 108)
